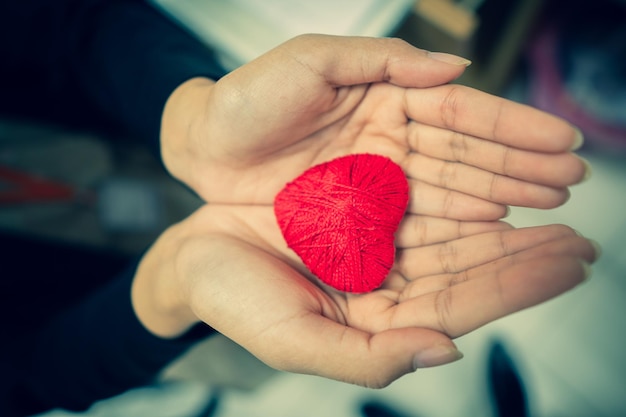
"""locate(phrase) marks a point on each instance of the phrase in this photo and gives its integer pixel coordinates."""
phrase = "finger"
(345, 61)
(484, 184)
(463, 109)
(461, 254)
(554, 170)
(462, 308)
(417, 230)
(284, 320)
(570, 246)
(430, 200)
(329, 349)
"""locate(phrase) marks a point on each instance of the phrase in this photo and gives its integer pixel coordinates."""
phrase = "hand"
(229, 267)
(467, 154)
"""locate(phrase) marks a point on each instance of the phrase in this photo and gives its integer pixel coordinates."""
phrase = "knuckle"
(443, 310)
(447, 257)
(458, 146)
(458, 278)
(448, 203)
(494, 183)
(448, 175)
(393, 43)
(449, 107)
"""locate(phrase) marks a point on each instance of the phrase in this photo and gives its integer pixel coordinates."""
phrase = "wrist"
(182, 124)
(156, 293)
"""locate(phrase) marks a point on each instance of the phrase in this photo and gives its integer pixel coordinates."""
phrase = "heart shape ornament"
(340, 218)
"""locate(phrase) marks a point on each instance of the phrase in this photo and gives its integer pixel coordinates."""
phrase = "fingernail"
(449, 58)
(579, 139)
(437, 355)
(588, 170)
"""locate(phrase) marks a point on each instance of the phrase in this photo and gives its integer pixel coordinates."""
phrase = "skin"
(466, 154)
(230, 268)
(319, 97)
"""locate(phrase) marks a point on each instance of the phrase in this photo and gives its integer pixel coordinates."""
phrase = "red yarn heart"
(340, 218)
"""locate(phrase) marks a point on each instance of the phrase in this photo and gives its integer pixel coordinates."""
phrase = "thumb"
(335, 351)
(344, 61)
(394, 353)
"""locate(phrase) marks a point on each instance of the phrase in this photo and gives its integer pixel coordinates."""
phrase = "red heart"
(340, 218)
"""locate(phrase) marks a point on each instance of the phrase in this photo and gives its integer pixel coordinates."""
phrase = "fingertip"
(397, 352)
(578, 140)
(505, 225)
(413, 67)
(436, 355)
(588, 171)
(449, 58)
(549, 198)
(597, 249)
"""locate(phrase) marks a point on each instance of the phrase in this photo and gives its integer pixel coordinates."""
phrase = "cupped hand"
(229, 267)
(467, 154)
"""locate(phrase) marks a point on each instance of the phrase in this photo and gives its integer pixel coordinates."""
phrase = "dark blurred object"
(375, 408)
(490, 33)
(42, 276)
(505, 384)
(212, 405)
(22, 187)
(577, 69)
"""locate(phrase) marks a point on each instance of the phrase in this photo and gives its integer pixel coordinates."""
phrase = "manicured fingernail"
(449, 58)
(588, 170)
(579, 139)
(437, 355)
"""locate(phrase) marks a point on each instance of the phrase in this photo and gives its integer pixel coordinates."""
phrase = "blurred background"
(562, 358)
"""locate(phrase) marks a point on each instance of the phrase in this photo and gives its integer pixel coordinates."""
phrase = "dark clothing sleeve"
(103, 64)
(106, 65)
(92, 351)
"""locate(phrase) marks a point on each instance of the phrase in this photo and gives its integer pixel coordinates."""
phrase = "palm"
(466, 153)
(442, 286)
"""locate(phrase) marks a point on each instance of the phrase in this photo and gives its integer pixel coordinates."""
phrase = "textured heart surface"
(340, 217)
